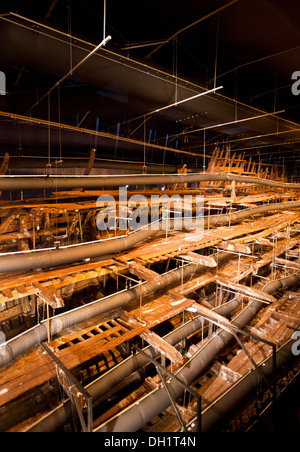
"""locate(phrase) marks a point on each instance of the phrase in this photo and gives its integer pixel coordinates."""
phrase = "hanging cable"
(70, 33)
(59, 129)
(49, 133)
(104, 20)
(204, 151)
(217, 48)
(175, 66)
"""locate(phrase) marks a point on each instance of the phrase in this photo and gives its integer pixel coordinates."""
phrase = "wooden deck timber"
(83, 343)
(18, 293)
(98, 339)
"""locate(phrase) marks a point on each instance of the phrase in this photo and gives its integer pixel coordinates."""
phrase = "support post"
(194, 393)
(87, 427)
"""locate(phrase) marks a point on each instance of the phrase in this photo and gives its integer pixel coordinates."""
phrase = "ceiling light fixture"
(102, 43)
(185, 100)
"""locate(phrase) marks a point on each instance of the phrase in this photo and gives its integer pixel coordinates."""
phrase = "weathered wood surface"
(143, 273)
(288, 264)
(49, 296)
(162, 346)
(208, 313)
(245, 290)
(235, 247)
(180, 243)
(13, 288)
(274, 325)
(84, 344)
(195, 258)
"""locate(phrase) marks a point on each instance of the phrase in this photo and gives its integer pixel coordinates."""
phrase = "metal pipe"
(63, 256)
(150, 406)
(8, 183)
(37, 334)
(218, 220)
(73, 253)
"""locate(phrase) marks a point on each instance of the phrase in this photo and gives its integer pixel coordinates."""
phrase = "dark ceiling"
(251, 48)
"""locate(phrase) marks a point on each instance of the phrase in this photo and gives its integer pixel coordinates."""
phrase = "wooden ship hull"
(150, 331)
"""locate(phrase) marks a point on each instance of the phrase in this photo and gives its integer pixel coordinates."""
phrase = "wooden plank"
(5, 164)
(7, 283)
(7, 293)
(251, 199)
(268, 226)
(181, 243)
(264, 242)
(286, 317)
(161, 309)
(94, 346)
(12, 214)
(191, 286)
(49, 296)
(143, 273)
(235, 247)
(10, 313)
(198, 259)
(287, 263)
(202, 310)
(225, 372)
(281, 235)
(245, 290)
(162, 346)
(72, 333)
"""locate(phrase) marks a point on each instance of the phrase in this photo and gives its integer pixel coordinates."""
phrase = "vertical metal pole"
(199, 403)
(141, 298)
(33, 232)
(68, 226)
(104, 20)
(204, 151)
(274, 373)
(49, 133)
(48, 323)
(208, 217)
(171, 399)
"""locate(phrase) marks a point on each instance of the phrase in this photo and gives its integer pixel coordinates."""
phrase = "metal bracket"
(79, 397)
(232, 329)
(160, 369)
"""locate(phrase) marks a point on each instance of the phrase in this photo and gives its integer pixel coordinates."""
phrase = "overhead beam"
(69, 128)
